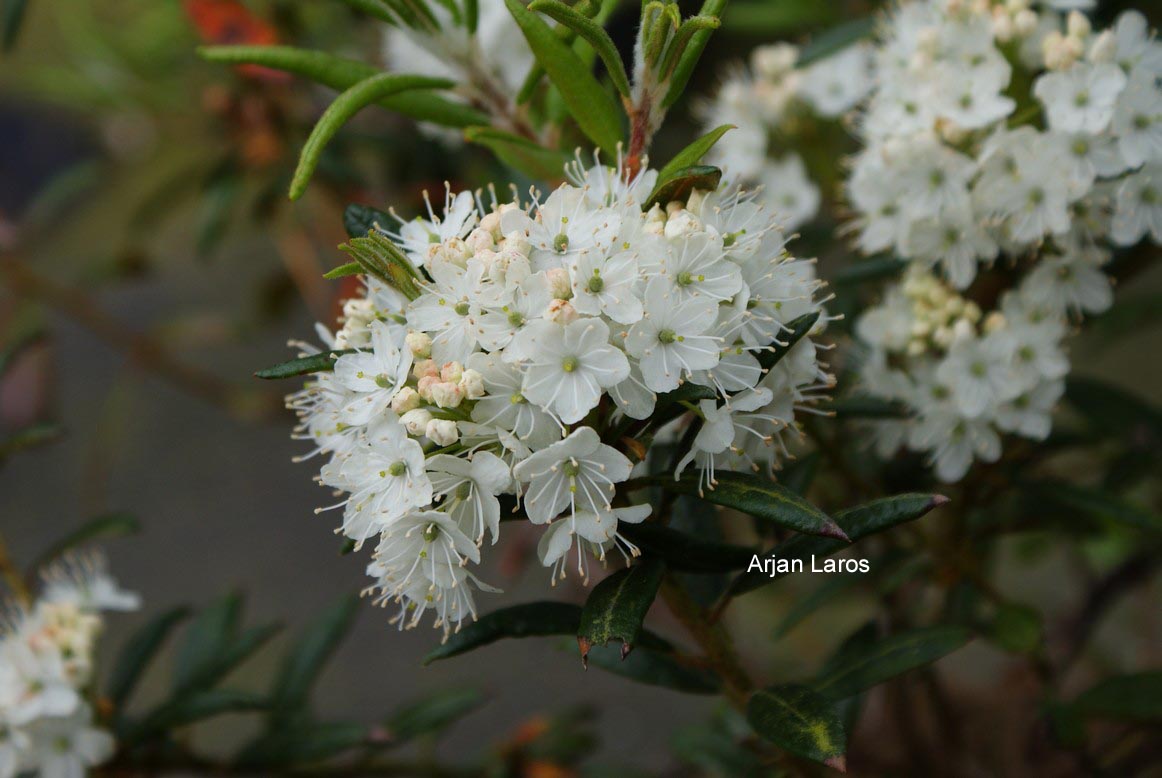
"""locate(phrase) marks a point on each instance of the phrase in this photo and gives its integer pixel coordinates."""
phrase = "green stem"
(12, 576)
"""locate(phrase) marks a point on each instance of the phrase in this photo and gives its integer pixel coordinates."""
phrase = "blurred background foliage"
(143, 214)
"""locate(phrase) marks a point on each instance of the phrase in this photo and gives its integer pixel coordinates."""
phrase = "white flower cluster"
(767, 104)
(956, 172)
(534, 339)
(46, 664)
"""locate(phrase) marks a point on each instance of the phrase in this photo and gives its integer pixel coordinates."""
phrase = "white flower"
(606, 285)
(788, 192)
(578, 473)
(953, 441)
(1082, 98)
(467, 490)
(696, 267)
(598, 531)
(835, 84)
(1137, 121)
(68, 747)
(1136, 44)
(565, 224)
(1139, 206)
(567, 367)
(670, 342)
(977, 371)
(457, 220)
(372, 377)
(505, 407)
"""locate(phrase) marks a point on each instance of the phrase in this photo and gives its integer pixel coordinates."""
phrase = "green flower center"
(398, 468)
(569, 364)
(561, 243)
(667, 336)
(462, 308)
(596, 283)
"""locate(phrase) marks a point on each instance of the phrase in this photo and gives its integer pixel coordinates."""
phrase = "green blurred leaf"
(14, 14)
(139, 651)
(342, 74)
(533, 619)
(592, 33)
(359, 220)
(686, 553)
(617, 607)
(367, 92)
(863, 665)
(1112, 410)
(306, 659)
(1095, 503)
(654, 667)
(682, 183)
(591, 106)
(314, 363)
(100, 528)
(804, 606)
(872, 269)
(196, 707)
(1016, 628)
(1134, 697)
(433, 714)
(798, 719)
(213, 645)
(519, 153)
(799, 474)
(836, 39)
(760, 497)
(867, 407)
(772, 20)
(302, 743)
(858, 523)
(32, 436)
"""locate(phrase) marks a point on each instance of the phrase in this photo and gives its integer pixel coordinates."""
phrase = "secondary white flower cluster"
(958, 171)
(46, 665)
(536, 339)
(769, 103)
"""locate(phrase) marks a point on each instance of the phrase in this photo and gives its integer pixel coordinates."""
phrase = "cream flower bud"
(994, 321)
(682, 223)
(516, 241)
(1104, 48)
(695, 200)
(472, 383)
(406, 399)
(420, 344)
(425, 386)
(1077, 25)
(559, 284)
(453, 250)
(479, 240)
(1003, 26)
(447, 394)
(442, 432)
(773, 61)
(425, 367)
(1025, 22)
(673, 207)
(452, 372)
(490, 223)
(561, 312)
(416, 421)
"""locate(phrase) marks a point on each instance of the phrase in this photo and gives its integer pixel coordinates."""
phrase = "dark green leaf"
(433, 714)
(314, 363)
(655, 668)
(760, 497)
(520, 154)
(617, 607)
(684, 552)
(307, 658)
(592, 33)
(139, 651)
(591, 106)
(778, 20)
(101, 528)
(1110, 409)
(683, 182)
(836, 39)
(14, 13)
(794, 331)
(813, 601)
(342, 74)
(858, 523)
(1136, 697)
(367, 92)
(196, 707)
(800, 720)
(213, 646)
(1016, 628)
(860, 667)
(691, 155)
(359, 220)
(534, 619)
(867, 407)
(302, 743)
(872, 269)
(1095, 503)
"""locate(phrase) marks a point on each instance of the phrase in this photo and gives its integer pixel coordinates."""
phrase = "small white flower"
(579, 473)
(1082, 98)
(1139, 207)
(467, 489)
(670, 342)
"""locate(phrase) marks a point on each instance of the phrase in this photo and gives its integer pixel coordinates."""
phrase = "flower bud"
(480, 240)
(425, 367)
(1077, 25)
(682, 223)
(447, 394)
(559, 285)
(1104, 48)
(442, 432)
(773, 61)
(451, 371)
(490, 223)
(472, 383)
(416, 421)
(516, 241)
(1003, 26)
(454, 251)
(561, 312)
(425, 386)
(1025, 22)
(406, 399)
(420, 344)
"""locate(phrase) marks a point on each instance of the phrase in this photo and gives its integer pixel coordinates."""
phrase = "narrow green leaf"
(813, 602)
(314, 363)
(862, 666)
(836, 39)
(759, 496)
(687, 553)
(139, 651)
(772, 21)
(18, 346)
(382, 259)
(534, 619)
(800, 720)
(307, 658)
(591, 106)
(342, 74)
(682, 183)
(519, 153)
(1016, 628)
(655, 668)
(858, 523)
(100, 528)
(1135, 697)
(374, 9)
(617, 607)
(36, 434)
(873, 269)
(867, 407)
(344, 271)
(198, 707)
(359, 220)
(1111, 409)
(302, 743)
(592, 33)
(14, 14)
(1095, 503)
(691, 155)
(693, 52)
(370, 90)
(471, 15)
(206, 639)
(433, 714)
(794, 331)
